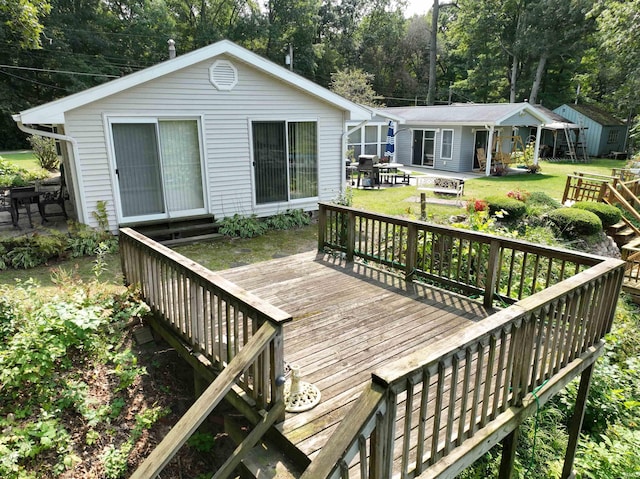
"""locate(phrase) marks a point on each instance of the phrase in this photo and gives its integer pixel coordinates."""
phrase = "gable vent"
(223, 75)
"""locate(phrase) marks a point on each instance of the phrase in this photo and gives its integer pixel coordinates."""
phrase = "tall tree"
(21, 22)
(433, 53)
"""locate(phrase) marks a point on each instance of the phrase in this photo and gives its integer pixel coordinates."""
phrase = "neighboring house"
(604, 133)
(449, 137)
(216, 131)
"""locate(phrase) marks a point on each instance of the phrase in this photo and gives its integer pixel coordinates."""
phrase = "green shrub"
(513, 208)
(242, 226)
(13, 175)
(543, 199)
(288, 220)
(609, 215)
(45, 151)
(573, 222)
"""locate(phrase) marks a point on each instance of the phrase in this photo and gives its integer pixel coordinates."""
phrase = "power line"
(34, 81)
(59, 71)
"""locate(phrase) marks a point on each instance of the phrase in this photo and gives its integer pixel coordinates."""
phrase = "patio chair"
(482, 158)
(52, 192)
(6, 206)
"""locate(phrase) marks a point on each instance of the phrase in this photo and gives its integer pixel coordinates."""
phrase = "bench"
(441, 185)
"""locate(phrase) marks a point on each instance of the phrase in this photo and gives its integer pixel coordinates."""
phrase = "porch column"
(536, 151)
(576, 422)
(487, 169)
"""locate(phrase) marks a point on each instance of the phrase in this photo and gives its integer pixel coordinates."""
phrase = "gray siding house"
(216, 131)
(604, 133)
(448, 137)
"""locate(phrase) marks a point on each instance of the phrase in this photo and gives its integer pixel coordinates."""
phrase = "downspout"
(82, 217)
(343, 167)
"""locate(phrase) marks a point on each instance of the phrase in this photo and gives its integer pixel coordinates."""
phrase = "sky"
(417, 7)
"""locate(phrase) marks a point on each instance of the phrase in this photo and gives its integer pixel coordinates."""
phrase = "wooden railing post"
(322, 225)
(351, 235)
(412, 250)
(492, 272)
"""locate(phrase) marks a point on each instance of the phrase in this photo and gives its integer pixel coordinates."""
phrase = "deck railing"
(468, 262)
(213, 316)
(438, 410)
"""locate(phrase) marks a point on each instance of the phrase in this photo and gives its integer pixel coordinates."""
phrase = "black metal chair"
(6, 205)
(52, 192)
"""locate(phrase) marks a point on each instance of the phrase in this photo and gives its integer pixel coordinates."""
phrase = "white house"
(448, 137)
(216, 131)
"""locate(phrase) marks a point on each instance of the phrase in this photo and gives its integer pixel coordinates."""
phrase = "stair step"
(265, 460)
(620, 225)
(191, 239)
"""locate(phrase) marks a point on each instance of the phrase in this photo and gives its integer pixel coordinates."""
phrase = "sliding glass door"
(158, 167)
(285, 159)
(424, 147)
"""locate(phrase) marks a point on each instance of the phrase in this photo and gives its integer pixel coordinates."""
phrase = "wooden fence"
(212, 315)
(472, 263)
(441, 408)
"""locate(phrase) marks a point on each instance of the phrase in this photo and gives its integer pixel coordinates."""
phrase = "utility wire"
(34, 81)
(59, 71)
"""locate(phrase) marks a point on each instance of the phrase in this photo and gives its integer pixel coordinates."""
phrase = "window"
(285, 160)
(613, 136)
(368, 140)
(423, 147)
(158, 167)
(446, 148)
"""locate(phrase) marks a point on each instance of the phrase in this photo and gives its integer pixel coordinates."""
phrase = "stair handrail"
(207, 402)
(616, 190)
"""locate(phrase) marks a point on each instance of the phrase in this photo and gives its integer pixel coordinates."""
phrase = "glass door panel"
(138, 169)
(270, 162)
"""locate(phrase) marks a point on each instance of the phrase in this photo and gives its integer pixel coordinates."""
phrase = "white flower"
(569, 203)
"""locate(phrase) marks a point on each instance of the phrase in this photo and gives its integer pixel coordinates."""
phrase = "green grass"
(26, 160)
(551, 179)
(405, 201)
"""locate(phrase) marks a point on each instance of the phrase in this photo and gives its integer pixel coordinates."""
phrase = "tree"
(21, 22)
(355, 85)
(433, 53)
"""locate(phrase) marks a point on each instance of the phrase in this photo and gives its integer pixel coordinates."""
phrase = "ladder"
(577, 150)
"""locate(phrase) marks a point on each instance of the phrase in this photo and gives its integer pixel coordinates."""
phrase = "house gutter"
(82, 217)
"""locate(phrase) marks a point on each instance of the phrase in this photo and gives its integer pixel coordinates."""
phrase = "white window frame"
(299, 202)
(442, 143)
(108, 120)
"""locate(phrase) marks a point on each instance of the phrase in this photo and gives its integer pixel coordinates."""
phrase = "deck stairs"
(621, 189)
(173, 232)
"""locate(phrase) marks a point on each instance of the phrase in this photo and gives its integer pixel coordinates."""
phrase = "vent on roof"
(223, 75)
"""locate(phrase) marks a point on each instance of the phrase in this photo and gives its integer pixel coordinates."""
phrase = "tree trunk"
(538, 79)
(433, 54)
(512, 81)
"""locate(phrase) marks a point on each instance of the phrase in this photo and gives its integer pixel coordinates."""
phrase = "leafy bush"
(45, 151)
(13, 175)
(513, 208)
(288, 220)
(242, 226)
(574, 222)
(609, 215)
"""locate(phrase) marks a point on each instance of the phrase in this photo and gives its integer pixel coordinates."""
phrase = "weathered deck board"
(348, 320)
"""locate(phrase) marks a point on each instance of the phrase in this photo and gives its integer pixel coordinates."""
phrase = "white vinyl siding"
(226, 118)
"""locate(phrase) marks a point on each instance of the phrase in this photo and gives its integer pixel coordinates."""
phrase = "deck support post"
(576, 422)
(412, 248)
(200, 384)
(509, 446)
(322, 225)
(351, 235)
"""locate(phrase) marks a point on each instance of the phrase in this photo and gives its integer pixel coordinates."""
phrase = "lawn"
(24, 159)
(405, 200)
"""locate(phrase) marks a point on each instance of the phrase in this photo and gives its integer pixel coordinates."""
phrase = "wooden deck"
(349, 319)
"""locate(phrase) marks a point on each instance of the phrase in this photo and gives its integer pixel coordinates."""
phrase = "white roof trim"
(53, 112)
(526, 108)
